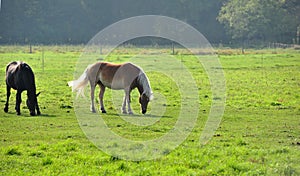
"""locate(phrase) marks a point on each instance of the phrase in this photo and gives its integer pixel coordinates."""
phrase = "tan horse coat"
(125, 76)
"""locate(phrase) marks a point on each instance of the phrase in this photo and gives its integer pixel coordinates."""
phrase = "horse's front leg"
(101, 95)
(18, 102)
(127, 99)
(92, 98)
(124, 105)
(7, 98)
(38, 112)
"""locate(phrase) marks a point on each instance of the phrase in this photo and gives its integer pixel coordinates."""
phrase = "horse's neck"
(140, 88)
(143, 84)
(31, 91)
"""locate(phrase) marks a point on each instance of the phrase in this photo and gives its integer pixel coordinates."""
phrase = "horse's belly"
(113, 85)
(116, 85)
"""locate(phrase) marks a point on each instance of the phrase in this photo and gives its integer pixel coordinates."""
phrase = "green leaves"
(258, 20)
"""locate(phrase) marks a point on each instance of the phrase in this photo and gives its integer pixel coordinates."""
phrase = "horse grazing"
(125, 76)
(20, 77)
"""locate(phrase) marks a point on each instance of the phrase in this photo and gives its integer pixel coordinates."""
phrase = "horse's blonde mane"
(144, 81)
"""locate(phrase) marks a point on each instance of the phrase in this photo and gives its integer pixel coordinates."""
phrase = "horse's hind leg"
(92, 98)
(101, 95)
(18, 102)
(7, 98)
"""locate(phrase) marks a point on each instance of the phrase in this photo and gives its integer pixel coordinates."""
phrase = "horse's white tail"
(79, 84)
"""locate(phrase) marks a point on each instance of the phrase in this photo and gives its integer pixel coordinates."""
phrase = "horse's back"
(12, 67)
(17, 65)
(115, 76)
(19, 75)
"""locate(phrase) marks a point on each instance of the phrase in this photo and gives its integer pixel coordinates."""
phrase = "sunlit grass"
(259, 133)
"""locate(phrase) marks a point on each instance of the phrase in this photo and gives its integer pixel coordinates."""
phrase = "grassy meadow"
(259, 133)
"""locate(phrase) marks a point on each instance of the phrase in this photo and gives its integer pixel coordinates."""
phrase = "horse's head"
(144, 100)
(32, 104)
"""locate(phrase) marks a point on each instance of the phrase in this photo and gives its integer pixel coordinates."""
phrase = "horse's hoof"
(103, 111)
(38, 113)
(5, 109)
(131, 113)
(32, 114)
(18, 113)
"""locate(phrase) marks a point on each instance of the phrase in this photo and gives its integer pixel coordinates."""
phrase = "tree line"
(220, 21)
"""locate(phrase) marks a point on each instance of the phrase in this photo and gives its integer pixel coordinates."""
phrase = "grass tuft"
(13, 151)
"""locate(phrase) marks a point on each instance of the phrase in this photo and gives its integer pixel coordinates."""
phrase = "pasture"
(259, 133)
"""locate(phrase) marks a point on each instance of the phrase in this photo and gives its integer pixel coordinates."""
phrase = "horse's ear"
(38, 94)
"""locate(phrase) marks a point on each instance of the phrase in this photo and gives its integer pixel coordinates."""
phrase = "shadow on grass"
(46, 115)
(14, 114)
(137, 115)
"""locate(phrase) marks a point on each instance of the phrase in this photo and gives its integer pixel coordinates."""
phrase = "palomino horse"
(125, 76)
(20, 77)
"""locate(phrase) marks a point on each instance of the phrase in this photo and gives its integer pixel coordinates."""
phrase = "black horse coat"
(20, 77)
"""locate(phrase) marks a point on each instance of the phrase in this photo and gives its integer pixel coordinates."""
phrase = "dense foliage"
(270, 20)
(76, 21)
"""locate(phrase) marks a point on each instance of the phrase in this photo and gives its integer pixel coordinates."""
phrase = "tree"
(76, 21)
(266, 20)
(293, 8)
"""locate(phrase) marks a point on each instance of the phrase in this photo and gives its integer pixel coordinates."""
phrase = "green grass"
(259, 133)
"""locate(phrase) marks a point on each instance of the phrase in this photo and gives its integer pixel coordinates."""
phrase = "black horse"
(20, 77)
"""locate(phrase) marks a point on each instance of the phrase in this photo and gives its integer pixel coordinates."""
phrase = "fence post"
(30, 48)
(173, 50)
(298, 35)
(43, 61)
